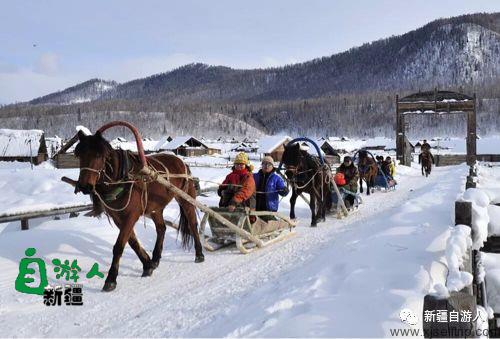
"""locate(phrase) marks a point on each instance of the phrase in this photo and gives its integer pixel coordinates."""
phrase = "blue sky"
(123, 40)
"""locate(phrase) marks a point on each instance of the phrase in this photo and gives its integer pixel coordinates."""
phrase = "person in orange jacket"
(238, 189)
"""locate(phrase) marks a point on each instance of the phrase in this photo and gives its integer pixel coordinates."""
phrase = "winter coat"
(238, 188)
(425, 147)
(392, 169)
(351, 175)
(274, 187)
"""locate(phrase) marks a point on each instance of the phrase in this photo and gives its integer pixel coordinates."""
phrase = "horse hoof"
(199, 258)
(147, 272)
(109, 286)
(314, 225)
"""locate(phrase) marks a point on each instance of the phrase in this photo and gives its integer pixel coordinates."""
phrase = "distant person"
(351, 176)
(238, 189)
(425, 148)
(269, 186)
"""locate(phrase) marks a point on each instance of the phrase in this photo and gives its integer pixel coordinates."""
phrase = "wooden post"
(470, 183)
(399, 134)
(458, 301)
(471, 135)
(463, 213)
(24, 225)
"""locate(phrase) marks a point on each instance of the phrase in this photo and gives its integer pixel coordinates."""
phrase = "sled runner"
(252, 227)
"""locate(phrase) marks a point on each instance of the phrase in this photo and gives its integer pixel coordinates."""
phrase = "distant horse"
(108, 175)
(368, 170)
(306, 174)
(426, 160)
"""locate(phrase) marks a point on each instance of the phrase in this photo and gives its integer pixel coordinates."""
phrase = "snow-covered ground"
(349, 277)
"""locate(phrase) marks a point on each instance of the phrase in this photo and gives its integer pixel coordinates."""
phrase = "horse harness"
(126, 176)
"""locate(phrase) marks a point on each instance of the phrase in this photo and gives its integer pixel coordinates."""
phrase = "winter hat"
(268, 159)
(241, 158)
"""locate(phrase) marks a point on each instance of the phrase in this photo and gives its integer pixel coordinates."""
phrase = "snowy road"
(319, 283)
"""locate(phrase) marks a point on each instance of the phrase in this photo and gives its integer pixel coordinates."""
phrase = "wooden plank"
(465, 106)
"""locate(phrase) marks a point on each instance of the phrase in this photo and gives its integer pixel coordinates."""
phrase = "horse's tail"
(184, 229)
(187, 214)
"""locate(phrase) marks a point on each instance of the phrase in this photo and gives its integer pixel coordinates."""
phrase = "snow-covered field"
(349, 277)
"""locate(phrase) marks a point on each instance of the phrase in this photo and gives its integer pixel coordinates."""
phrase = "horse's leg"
(147, 268)
(293, 199)
(188, 213)
(323, 203)
(312, 206)
(368, 183)
(126, 227)
(423, 167)
(360, 184)
(157, 217)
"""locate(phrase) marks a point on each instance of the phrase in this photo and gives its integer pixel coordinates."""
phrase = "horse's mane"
(95, 144)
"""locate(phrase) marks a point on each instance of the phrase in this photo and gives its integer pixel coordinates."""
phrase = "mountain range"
(351, 93)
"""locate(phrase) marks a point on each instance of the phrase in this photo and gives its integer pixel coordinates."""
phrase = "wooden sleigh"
(267, 228)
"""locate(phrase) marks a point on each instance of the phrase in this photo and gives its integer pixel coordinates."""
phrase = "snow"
(491, 262)
(480, 217)
(24, 189)
(368, 267)
(456, 252)
(270, 143)
(83, 129)
(148, 145)
(494, 225)
(19, 143)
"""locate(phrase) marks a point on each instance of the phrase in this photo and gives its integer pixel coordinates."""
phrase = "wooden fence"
(73, 211)
(470, 296)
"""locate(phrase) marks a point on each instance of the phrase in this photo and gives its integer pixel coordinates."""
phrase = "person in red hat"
(238, 189)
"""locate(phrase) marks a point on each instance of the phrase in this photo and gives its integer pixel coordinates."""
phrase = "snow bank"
(494, 225)
(456, 252)
(491, 262)
(480, 218)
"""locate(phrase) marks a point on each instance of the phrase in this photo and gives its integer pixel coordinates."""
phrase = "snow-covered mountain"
(351, 93)
(86, 91)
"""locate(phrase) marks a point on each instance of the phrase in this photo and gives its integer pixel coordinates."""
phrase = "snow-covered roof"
(178, 142)
(20, 143)
(84, 129)
(270, 143)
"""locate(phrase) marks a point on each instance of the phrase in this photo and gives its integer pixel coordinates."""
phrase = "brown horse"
(426, 160)
(368, 170)
(110, 177)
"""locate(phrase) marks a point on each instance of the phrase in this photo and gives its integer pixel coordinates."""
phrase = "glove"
(231, 208)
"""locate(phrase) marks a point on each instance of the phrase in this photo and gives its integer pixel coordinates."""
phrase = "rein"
(127, 177)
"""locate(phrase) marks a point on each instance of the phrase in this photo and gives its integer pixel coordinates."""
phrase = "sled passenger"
(388, 167)
(238, 189)
(269, 186)
(351, 176)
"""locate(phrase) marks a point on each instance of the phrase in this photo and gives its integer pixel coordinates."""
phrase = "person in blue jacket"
(269, 186)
